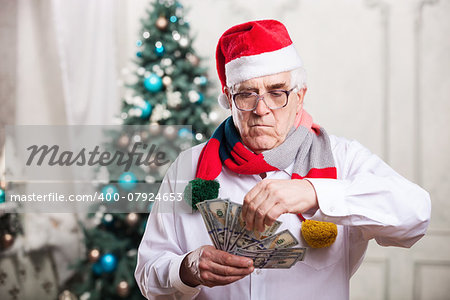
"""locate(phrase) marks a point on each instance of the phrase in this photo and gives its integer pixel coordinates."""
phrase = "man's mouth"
(261, 125)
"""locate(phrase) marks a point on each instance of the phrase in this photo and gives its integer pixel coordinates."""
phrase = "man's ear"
(228, 94)
(301, 95)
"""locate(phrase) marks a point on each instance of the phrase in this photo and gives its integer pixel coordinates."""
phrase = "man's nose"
(261, 107)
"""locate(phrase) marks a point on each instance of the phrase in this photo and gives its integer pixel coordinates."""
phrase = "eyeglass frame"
(259, 97)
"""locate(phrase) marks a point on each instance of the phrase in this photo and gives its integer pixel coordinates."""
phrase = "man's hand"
(271, 198)
(211, 267)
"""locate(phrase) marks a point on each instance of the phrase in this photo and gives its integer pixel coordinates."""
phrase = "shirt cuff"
(175, 280)
(331, 196)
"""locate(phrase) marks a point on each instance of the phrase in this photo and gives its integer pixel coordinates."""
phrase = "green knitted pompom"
(199, 190)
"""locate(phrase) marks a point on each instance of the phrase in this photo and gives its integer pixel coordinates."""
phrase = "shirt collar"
(288, 170)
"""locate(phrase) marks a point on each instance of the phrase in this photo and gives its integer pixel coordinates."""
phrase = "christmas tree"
(10, 225)
(169, 88)
(171, 85)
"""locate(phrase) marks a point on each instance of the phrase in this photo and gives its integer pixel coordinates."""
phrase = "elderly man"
(270, 157)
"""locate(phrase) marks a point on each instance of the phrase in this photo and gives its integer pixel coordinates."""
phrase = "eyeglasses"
(274, 99)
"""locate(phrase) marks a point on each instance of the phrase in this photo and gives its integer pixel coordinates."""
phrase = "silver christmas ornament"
(94, 255)
(154, 129)
(193, 59)
(132, 219)
(199, 136)
(167, 81)
(193, 96)
(184, 42)
(123, 289)
(67, 295)
(140, 71)
(161, 23)
(170, 132)
(176, 35)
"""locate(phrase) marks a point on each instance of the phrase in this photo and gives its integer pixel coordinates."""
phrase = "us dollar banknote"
(268, 249)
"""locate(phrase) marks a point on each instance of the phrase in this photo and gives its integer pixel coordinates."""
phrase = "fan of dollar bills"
(226, 228)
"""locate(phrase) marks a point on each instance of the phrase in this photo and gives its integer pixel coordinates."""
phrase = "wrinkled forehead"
(268, 82)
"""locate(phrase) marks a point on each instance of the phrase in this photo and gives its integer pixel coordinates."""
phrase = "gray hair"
(298, 79)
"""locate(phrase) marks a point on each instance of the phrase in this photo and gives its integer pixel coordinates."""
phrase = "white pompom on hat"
(251, 50)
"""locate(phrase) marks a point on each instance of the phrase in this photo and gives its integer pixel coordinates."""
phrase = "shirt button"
(258, 271)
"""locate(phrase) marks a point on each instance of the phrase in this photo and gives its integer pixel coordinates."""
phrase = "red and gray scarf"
(307, 145)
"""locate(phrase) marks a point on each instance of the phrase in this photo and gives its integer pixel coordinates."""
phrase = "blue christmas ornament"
(184, 132)
(108, 263)
(109, 190)
(138, 43)
(200, 98)
(108, 220)
(159, 50)
(97, 268)
(173, 19)
(146, 110)
(127, 181)
(2, 195)
(203, 80)
(139, 54)
(153, 83)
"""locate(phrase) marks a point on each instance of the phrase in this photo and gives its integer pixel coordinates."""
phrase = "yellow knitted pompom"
(319, 234)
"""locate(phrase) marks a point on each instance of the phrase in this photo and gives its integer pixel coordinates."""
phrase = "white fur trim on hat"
(268, 63)
(223, 101)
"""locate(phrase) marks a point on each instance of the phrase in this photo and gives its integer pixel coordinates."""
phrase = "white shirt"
(368, 200)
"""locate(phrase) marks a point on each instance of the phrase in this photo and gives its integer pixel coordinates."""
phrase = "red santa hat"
(251, 50)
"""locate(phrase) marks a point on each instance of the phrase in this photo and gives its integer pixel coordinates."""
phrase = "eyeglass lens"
(273, 99)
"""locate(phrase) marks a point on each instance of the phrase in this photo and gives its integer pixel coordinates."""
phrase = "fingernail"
(249, 263)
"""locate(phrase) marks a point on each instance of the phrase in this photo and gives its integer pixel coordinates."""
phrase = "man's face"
(263, 129)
